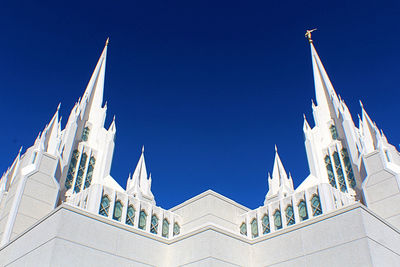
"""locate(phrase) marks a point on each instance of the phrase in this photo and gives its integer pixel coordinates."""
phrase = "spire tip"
(107, 41)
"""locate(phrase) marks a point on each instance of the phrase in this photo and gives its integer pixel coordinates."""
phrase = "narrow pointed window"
(254, 228)
(177, 229)
(333, 132)
(303, 214)
(339, 172)
(243, 229)
(348, 168)
(71, 169)
(81, 171)
(104, 206)
(85, 133)
(316, 205)
(277, 220)
(165, 228)
(265, 224)
(289, 215)
(154, 224)
(89, 173)
(130, 215)
(329, 169)
(117, 211)
(142, 219)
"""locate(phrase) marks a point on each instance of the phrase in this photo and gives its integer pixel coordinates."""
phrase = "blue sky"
(209, 87)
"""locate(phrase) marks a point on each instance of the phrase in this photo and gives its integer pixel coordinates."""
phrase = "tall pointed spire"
(326, 97)
(50, 135)
(369, 131)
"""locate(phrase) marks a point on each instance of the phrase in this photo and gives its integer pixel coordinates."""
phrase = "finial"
(114, 118)
(361, 104)
(58, 107)
(308, 35)
(107, 41)
(20, 149)
(276, 148)
(143, 149)
(304, 116)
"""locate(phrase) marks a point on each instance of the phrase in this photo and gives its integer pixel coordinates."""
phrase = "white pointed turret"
(51, 135)
(369, 132)
(279, 184)
(139, 184)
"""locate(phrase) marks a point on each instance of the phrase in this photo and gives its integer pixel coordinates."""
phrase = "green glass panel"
(277, 220)
(339, 172)
(303, 210)
(89, 173)
(104, 206)
(142, 220)
(290, 215)
(265, 224)
(316, 205)
(71, 169)
(165, 228)
(333, 132)
(154, 224)
(81, 171)
(243, 229)
(130, 216)
(329, 169)
(254, 228)
(177, 229)
(117, 211)
(349, 169)
(85, 134)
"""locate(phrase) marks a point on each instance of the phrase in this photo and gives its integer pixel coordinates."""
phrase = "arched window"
(142, 219)
(329, 169)
(71, 169)
(316, 205)
(303, 210)
(289, 215)
(165, 228)
(104, 206)
(154, 224)
(89, 173)
(117, 210)
(277, 220)
(177, 229)
(85, 133)
(130, 215)
(243, 229)
(81, 171)
(348, 168)
(254, 228)
(333, 132)
(339, 172)
(265, 224)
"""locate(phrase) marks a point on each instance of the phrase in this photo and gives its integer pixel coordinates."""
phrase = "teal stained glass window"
(333, 132)
(316, 205)
(104, 206)
(89, 173)
(329, 169)
(81, 171)
(117, 211)
(303, 210)
(71, 169)
(177, 229)
(254, 228)
(165, 228)
(142, 219)
(243, 229)
(339, 172)
(154, 224)
(348, 168)
(277, 220)
(130, 215)
(289, 215)
(265, 224)
(85, 133)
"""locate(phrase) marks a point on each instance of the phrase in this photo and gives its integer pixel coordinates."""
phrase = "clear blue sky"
(209, 87)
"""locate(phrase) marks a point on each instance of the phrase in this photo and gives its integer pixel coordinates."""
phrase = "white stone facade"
(62, 184)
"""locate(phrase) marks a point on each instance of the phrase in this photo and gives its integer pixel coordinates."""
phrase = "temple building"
(59, 205)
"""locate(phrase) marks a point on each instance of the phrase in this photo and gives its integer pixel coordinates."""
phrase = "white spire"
(280, 183)
(326, 97)
(369, 131)
(50, 135)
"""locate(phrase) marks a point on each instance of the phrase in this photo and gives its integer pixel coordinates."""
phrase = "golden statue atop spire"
(308, 34)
